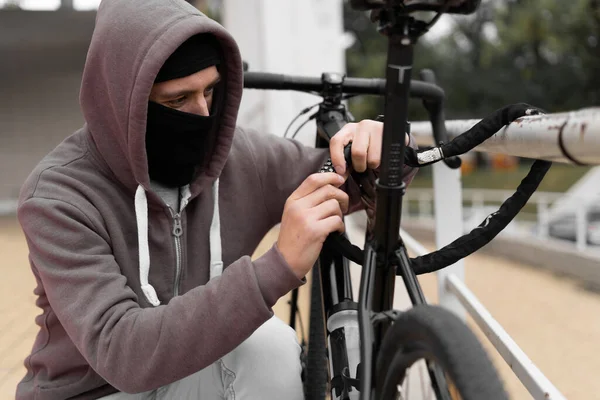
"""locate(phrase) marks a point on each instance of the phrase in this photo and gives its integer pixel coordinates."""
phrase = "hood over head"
(132, 40)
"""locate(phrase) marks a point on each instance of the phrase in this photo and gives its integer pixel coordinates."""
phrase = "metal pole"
(570, 137)
(447, 194)
(581, 227)
(424, 202)
(542, 214)
(478, 202)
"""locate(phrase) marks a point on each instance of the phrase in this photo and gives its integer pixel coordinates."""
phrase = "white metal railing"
(478, 202)
(570, 137)
(532, 378)
(8, 207)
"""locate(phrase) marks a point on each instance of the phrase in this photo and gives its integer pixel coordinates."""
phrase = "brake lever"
(439, 128)
(453, 162)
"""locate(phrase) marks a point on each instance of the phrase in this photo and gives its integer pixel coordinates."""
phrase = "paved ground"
(554, 321)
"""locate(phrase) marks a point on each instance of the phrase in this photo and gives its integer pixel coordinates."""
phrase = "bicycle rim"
(432, 335)
(414, 382)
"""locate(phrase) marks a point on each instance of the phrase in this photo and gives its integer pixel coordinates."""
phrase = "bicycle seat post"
(380, 253)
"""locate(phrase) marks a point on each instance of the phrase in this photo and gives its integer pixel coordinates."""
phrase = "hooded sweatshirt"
(93, 224)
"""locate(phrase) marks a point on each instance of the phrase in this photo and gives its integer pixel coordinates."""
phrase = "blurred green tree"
(543, 52)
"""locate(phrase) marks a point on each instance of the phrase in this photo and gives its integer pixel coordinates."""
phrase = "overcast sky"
(53, 4)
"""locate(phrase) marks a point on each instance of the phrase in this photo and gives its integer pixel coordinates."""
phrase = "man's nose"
(201, 107)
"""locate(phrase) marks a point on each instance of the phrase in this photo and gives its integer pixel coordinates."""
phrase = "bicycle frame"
(384, 251)
(385, 255)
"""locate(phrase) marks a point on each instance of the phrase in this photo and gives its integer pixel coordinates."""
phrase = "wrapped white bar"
(569, 137)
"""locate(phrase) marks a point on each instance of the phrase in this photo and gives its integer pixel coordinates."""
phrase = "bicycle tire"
(315, 385)
(433, 333)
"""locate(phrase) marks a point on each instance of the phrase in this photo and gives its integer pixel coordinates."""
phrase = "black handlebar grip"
(328, 165)
(264, 80)
(348, 154)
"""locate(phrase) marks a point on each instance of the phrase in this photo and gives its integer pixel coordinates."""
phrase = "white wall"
(285, 36)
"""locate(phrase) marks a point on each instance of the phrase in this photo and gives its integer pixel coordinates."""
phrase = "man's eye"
(208, 92)
(177, 102)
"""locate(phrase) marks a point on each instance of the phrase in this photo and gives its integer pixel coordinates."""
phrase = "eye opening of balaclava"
(179, 144)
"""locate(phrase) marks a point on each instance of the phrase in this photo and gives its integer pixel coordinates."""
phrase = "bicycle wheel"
(315, 385)
(434, 334)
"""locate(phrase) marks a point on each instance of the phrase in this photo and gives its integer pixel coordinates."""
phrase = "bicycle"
(370, 346)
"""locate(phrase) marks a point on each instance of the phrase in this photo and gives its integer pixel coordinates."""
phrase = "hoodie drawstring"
(216, 262)
(141, 214)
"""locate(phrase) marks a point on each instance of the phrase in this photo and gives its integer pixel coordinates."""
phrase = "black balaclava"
(178, 143)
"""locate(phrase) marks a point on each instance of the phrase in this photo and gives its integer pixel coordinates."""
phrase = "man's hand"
(366, 137)
(311, 213)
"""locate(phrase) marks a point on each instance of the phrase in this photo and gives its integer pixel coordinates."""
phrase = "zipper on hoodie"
(177, 232)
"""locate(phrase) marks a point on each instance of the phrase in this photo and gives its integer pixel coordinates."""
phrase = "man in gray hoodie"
(141, 223)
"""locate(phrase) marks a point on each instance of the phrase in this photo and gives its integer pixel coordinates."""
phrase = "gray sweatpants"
(265, 366)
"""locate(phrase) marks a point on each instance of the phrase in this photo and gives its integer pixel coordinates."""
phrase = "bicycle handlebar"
(371, 86)
(494, 223)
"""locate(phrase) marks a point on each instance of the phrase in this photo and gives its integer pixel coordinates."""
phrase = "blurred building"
(42, 54)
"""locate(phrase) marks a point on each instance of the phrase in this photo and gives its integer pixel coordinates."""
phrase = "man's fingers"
(332, 224)
(316, 181)
(325, 193)
(360, 146)
(336, 147)
(366, 137)
(374, 153)
(327, 209)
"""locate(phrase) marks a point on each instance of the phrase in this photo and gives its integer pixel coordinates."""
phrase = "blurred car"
(566, 227)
